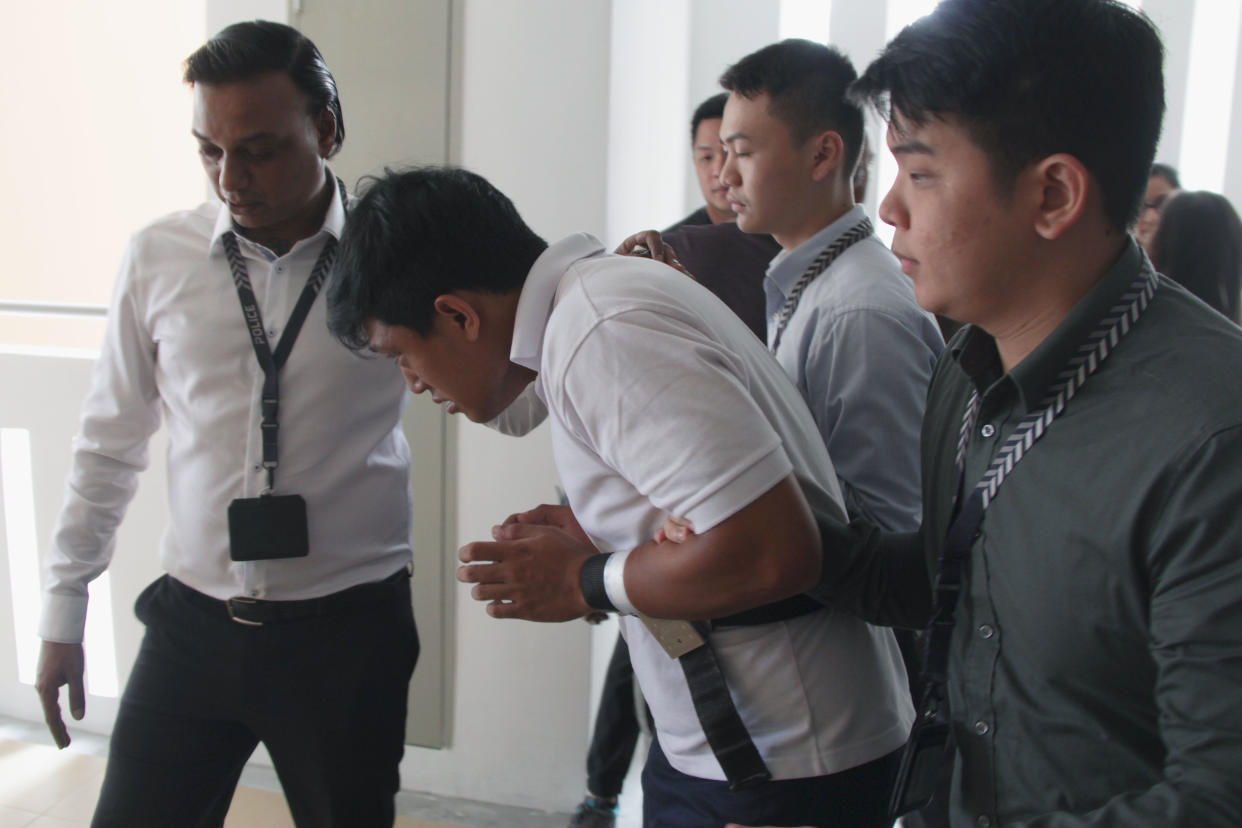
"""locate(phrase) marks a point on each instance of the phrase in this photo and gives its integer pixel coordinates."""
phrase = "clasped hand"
(531, 568)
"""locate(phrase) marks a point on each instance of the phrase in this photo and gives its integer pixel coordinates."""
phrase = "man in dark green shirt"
(1095, 666)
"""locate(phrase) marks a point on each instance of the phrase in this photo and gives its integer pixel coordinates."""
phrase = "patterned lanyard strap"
(1111, 328)
(829, 255)
(1118, 322)
(271, 362)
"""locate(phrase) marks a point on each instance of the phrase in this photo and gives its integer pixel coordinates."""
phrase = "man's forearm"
(882, 577)
(764, 553)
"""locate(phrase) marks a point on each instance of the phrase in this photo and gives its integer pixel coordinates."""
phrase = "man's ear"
(325, 131)
(458, 316)
(1063, 185)
(827, 151)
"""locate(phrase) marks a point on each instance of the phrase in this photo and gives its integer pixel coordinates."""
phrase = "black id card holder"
(920, 768)
(267, 528)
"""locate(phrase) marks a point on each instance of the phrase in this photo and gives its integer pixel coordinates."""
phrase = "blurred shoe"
(594, 813)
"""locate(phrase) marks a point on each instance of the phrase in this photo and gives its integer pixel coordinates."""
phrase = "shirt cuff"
(64, 618)
(739, 492)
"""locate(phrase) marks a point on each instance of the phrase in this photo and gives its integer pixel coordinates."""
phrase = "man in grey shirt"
(851, 336)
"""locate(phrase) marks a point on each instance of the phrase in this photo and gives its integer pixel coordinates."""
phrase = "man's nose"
(234, 175)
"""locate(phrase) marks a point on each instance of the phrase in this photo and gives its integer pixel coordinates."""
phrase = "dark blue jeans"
(326, 695)
(854, 798)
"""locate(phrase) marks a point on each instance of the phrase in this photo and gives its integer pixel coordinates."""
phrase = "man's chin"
(747, 224)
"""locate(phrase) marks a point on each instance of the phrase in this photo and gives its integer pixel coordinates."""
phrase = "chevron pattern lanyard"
(1115, 324)
(270, 362)
(852, 236)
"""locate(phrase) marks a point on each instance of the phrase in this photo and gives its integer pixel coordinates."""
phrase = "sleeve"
(1195, 635)
(671, 413)
(866, 375)
(119, 415)
(884, 578)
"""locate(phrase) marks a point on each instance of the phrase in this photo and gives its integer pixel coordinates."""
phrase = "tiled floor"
(41, 787)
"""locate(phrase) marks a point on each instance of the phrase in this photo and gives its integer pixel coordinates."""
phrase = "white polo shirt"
(662, 403)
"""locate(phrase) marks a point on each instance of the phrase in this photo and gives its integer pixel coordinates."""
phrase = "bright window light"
(1209, 93)
(23, 552)
(101, 678)
(901, 13)
(807, 19)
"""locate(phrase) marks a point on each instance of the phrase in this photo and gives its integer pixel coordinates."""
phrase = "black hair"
(1168, 173)
(1028, 79)
(713, 107)
(1199, 245)
(420, 233)
(805, 83)
(246, 50)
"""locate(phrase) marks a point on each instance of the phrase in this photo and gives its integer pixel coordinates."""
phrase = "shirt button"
(982, 728)
(254, 593)
(280, 268)
(986, 631)
(987, 430)
(983, 821)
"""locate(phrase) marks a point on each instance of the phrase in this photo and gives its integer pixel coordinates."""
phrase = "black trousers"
(616, 727)
(326, 695)
(853, 798)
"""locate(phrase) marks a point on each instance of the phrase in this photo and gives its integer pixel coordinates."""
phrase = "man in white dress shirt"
(661, 401)
(284, 617)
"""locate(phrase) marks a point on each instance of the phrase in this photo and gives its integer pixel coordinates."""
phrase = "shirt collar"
(539, 294)
(333, 221)
(789, 265)
(976, 351)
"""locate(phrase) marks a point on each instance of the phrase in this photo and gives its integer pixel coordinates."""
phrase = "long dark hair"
(1199, 245)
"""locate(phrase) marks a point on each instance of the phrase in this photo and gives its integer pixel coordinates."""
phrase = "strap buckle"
(238, 602)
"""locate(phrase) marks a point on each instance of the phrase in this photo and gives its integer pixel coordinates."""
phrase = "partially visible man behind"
(708, 157)
(1081, 443)
(1162, 184)
(285, 615)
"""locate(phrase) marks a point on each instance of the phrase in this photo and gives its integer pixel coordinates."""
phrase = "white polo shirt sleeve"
(666, 408)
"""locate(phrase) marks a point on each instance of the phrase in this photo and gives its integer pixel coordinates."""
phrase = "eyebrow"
(737, 136)
(258, 136)
(911, 148)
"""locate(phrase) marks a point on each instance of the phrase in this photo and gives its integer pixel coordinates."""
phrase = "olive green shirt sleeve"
(1194, 563)
(881, 577)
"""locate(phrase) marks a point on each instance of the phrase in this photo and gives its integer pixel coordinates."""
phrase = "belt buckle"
(232, 604)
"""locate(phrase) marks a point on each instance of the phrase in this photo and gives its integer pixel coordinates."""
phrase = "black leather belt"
(254, 612)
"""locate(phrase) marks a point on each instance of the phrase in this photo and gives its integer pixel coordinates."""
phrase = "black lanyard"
(270, 362)
(852, 236)
(964, 529)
